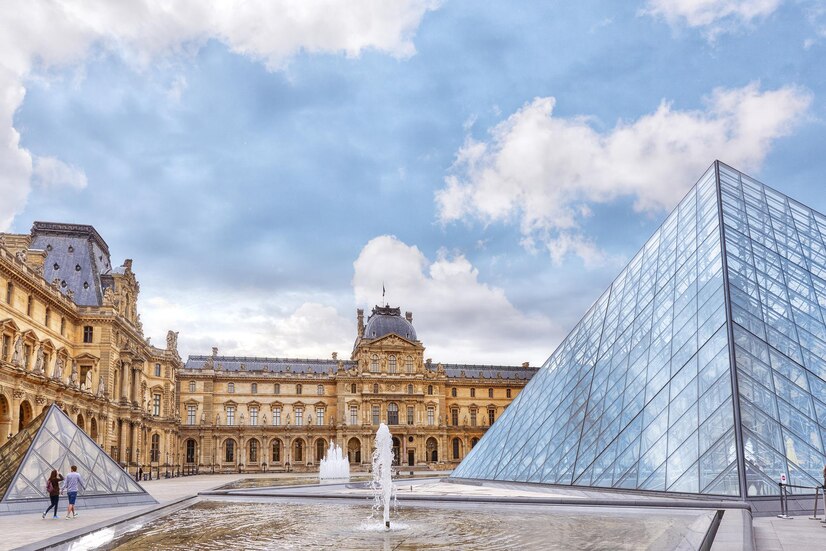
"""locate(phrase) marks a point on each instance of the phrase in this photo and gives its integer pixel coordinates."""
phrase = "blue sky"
(494, 165)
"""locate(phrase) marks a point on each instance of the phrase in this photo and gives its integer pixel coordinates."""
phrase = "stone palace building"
(71, 335)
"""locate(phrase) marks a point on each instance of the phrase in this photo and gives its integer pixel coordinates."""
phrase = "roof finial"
(382, 294)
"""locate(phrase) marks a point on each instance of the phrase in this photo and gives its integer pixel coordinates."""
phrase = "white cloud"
(545, 171)
(50, 173)
(244, 325)
(715, 16)
(50, 34)
(458, 318)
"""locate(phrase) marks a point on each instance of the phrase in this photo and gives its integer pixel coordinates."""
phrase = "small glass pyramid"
(702, 369)
(53, 441)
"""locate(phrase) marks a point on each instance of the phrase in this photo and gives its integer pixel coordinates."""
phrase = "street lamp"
(166, 464)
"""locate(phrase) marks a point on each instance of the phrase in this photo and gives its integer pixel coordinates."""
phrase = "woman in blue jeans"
(53, 488)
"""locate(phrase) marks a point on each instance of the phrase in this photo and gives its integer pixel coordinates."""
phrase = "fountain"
(335, 465)
(382, 483)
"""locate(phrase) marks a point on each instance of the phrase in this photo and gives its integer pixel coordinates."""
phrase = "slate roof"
(274, 365)
(489, 371)
(77, 255)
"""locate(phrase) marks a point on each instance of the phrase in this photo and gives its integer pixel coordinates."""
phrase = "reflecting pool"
(219, 524)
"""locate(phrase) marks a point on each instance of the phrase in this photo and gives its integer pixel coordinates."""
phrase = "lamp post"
(167, 464)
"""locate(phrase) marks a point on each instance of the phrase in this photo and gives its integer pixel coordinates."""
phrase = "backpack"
(49, 486)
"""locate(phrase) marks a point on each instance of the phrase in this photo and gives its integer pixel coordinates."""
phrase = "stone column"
(16, 398)
(124, 382)
(134, 387)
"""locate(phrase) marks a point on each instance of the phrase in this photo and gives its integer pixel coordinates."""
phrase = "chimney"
(526, 365)
(428, 362)
(214, 351)
(335, 355)
(360, 318)
(408, 316)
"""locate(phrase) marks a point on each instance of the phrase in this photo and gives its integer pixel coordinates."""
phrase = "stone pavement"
(798, 534)
(19, 530)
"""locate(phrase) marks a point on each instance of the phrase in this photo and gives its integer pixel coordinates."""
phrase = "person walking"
(53, 489)
(74, 483)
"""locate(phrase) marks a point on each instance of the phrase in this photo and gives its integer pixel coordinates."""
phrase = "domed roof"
(385, 320)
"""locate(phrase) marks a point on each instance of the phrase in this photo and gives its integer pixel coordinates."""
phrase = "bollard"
(784, 506)
(814, 513)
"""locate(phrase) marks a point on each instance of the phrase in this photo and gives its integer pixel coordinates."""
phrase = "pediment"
(9, 323)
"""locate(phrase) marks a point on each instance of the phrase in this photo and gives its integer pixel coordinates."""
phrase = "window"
(192, 386)
(155, 449)
(375, 388)
(508, 393)
(392, 414)
(254, 388)
(27, 355)
(156, 404)
(473, 393)
(319, 416)
(410, 389)
(374, 364)
(354, 415)
(190, 451)
(298, 389)
(88, 333)
(9, 292)
(29, 305)
(473, 417)
(454, 417)
(276, 416)
(48, 317)
(6, 348)
(376, 415)
(276, 451)
(299, 416)
(231, 388)
(62, 326)
(157, 370)
(391, 363)
(276, 389)
(253, 416)
(319, 390)
(431, 414)
(490, 393)
(410, 413)
(430, 390)
(299, 450)
(456, 446)
(229, 449)
(230, 415)
(190, 414)
(408, 364)
(491, 416)
(253, 451)
(353, 388)
(453, 392)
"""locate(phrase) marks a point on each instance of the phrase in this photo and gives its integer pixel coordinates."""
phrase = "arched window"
(453, 392)
(456, 448)
(298, 389)
(490, 393)
(374, 364)
(298, 450)
(454, 417)
(353, 388)
(392, 414)
(253, 451)
(190, 451)
(508, 393)
(473, 393)
(410, 389)
(231, 388)
(229, 451)
(155, 449)
(391, 363)
(276, 389)
(473, 441)
(430, 390)
(319, 390)
(408, 364)
(276, 451)
(320, 447)
(432, 450)
(375, 388)
(254, 388)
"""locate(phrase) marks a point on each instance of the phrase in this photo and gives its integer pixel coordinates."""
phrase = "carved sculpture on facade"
(108, 297)
(101, 387)
(87, 385)
(38, 363)
(21, 255)
(57, 372)
(74, 376)
(171, 340)
(17, 357)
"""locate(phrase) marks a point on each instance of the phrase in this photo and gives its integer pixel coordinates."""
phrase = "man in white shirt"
(73, 484)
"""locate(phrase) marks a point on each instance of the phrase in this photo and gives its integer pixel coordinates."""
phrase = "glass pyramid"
(53, 441)
(702, 369)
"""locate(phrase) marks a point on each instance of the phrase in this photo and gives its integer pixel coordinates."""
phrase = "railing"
(784, 500)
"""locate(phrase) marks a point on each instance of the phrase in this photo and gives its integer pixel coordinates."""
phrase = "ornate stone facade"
(256, 414)
(70, 334)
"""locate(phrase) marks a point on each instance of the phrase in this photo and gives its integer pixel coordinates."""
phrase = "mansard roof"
(263, 364)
